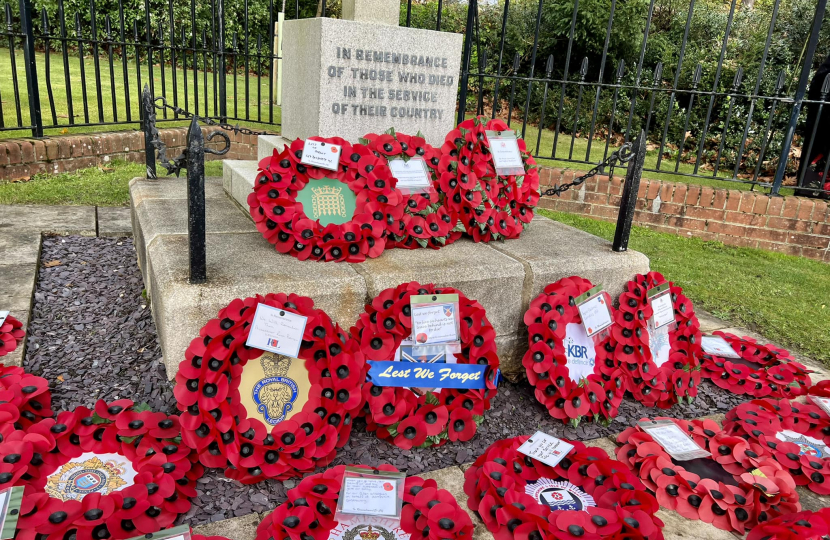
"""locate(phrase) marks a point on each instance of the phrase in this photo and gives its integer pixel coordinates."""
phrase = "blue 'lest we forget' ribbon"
(404, 374)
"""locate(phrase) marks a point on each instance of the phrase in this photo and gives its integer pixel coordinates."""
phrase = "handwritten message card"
(546, 448)
(673, 440)
(594, 311)
(435, 322)
(277, 330)
(321, 154)
(369, 496)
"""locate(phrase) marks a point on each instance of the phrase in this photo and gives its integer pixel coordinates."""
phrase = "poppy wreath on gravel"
(796, 434)
(761, 370)
(488, 206)
(427, 512)
(399, 415)
(286, 416)
(554, 322)
(114, 472)
(678, 377)
(804, 525)
(11, 334)
(737, 487)
(24, 398)
(587, 496)
(294, 229)
(426, 222)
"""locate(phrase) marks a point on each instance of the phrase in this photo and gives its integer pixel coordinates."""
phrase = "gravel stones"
(92, 336)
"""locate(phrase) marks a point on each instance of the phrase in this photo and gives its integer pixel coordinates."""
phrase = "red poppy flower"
(11, 334)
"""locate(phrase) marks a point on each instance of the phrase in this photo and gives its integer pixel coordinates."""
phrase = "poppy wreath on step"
(554, 328)
(11, 334)
(297, 230)
(796, 434)
(114, 472)
(678, 376)
(804, 525)
(488, 206)
(588, 495)
(761, 370)
(737, 487)
(24, 398)
(426, 222)
(308, 405)
(399, 415)
(427, 512)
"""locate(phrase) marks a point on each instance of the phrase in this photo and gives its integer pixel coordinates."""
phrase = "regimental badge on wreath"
(90, 473)
(355, 530)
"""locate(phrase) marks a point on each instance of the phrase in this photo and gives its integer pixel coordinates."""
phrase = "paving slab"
(708, 322)
(17, 284)
(238, 528)
(114, 221)
(142, 189)
(48, 219)
(677, 528)
(238, 178)
(19, 246)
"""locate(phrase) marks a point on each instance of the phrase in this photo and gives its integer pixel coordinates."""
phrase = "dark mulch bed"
(92, 336)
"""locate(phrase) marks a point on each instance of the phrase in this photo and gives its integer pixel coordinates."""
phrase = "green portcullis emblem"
(328, 200)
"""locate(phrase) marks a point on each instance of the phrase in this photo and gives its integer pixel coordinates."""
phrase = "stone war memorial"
(377, 330)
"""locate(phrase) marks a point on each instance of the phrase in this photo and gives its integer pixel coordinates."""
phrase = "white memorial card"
(660, 300)
(277, 330)
(822, 402)
(369, 496)
(546, 448)
(504, 148)
(717, 346)
(435, 322)
(321, 154)
(3, 315)
(673, 440)
(593, 309)
(659, 344)
(412, 175)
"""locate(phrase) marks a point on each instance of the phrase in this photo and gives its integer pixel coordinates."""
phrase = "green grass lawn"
(105, 186)
(784, 298)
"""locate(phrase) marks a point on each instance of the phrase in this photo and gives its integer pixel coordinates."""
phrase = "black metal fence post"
(148, 116)
(803, 82)
(29, 61)
(220, 39)
(196, 202)
(472, 8)
(628, 202)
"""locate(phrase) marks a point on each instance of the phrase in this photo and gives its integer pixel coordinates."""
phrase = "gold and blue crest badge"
(274, 387)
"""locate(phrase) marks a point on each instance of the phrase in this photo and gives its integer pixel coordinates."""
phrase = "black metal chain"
(208, 120)
(621, 155)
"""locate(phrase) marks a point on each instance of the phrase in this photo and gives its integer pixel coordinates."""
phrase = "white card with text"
(277, 330)
(321, 154)
(673, 440)
(369, 496)
(3, 315)
(595, 314)
(412, 175)
(822, 402)
(717, 346)
(663, 310)
(546, 448)
(434, 323)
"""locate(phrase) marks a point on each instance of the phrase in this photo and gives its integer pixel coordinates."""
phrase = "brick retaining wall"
(22, 158)
(792, 225)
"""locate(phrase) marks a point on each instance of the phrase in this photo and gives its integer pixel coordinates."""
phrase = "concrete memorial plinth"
(504, 277)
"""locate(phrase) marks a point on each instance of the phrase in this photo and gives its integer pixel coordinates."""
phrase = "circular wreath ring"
(427, 512)
(216, 424)
(166, 472)
(285, 223)
(11, 334)
(501, 486)
(679, 376)
(796, 434)
(398, 414)
(737, 488)
(425, 221)
(762, 370)
(24, 398)
(804, 525)
(489, 206)
(596, 397)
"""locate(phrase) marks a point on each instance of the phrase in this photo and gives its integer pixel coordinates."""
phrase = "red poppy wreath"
(659, 365)
(737, 487)
(262, 415)
(575, 376)
(24, 398)
(425, 221)
(761, 370)
(489, 206)
(418, 417)
(11, 334)
(317, 214)
(796, 434)
(115, 472)
(427, 513)
(804, 525)
(587, 496)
